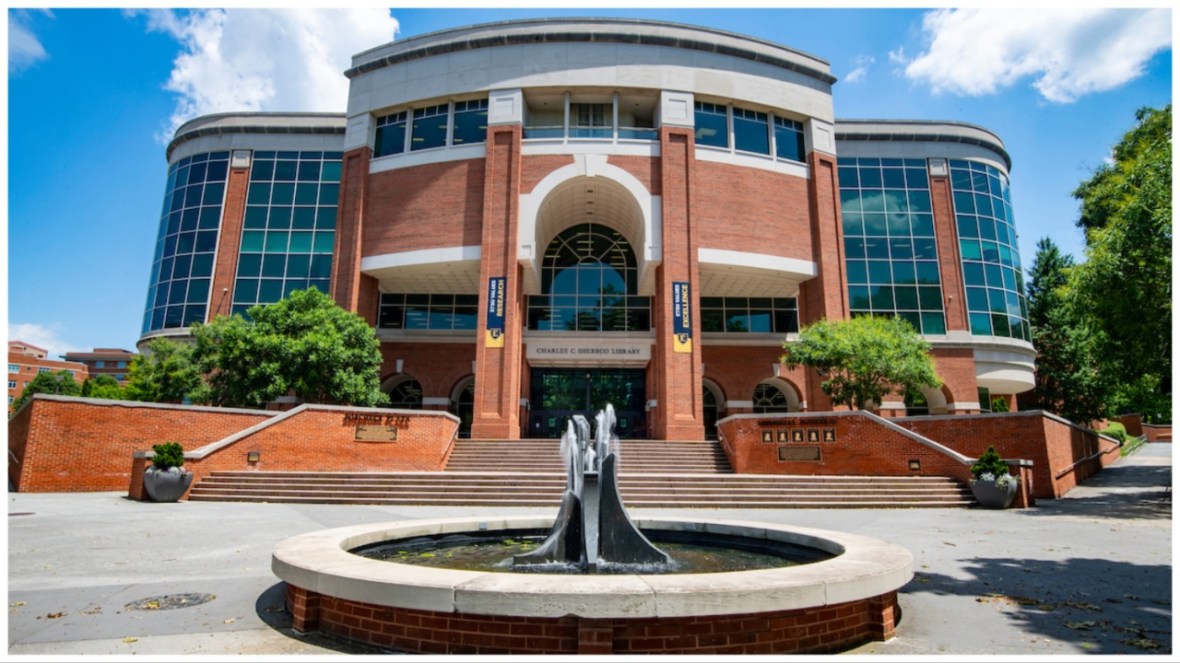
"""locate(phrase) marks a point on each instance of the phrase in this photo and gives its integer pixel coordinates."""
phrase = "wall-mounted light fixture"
(252, 456)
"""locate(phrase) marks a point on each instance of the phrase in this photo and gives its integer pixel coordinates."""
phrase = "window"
(406, 395)
(42, 370)
(436, 312)
(289, 226)
(890, 251)
(10, 400)
(429, 128)
(100, 364)
(13, 368)
(471, 122)
(120, 376)
(591, 120)
(751, 131)
(711, 126)
(72, 373)
(992, 275)
(754, 315)
(788, 139)
(12, 384)
(391, 135)
(121, 364)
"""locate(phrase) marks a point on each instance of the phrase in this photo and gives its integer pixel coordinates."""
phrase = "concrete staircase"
(655, 473)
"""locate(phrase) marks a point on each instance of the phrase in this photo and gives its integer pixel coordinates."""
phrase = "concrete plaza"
(1087, 574)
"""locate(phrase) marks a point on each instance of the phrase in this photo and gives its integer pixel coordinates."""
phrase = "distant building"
(114, 362)
(25, 361)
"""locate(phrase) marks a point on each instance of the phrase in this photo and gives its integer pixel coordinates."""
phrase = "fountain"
(640, 606)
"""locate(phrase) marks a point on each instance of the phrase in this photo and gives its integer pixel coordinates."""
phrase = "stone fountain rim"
(320, 562)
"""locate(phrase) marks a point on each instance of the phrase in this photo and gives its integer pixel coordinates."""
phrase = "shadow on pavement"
(1104, 606)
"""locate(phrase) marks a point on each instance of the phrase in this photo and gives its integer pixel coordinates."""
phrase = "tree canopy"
(864, 359)
(61, 383)
(1123, 289)
(304, 345)
(102, 386)
(163, 374)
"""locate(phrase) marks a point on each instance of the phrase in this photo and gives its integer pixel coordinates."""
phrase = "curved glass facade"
(289, 228)
(182, 267)
(992, 276)
(889, 246)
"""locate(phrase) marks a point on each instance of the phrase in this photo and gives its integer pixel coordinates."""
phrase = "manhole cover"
(170, 602)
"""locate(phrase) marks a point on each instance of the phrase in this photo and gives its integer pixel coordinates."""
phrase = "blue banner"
(494, 337)
(681, 317)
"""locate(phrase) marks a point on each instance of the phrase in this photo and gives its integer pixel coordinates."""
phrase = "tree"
(1067, 376)
(864, 359)
(61, 383)
(102, 386)
(1124, 286)
(304, 345)
(165, 373)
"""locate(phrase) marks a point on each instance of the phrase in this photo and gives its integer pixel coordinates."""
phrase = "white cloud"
(24, 49)
(860, 70)
(42, 336)
(1068, 52)
(269, 60)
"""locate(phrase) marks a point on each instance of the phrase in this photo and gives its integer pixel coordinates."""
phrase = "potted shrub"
(166, 480)
(993, 486)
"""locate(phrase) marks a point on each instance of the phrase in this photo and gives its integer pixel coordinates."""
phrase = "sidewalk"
(1087, 574)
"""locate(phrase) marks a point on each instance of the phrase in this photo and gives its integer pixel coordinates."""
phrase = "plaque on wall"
(797, 435)
(767, 436)
(376, 434)
(799, 453)
(812, 435)
(781, 436)
(829, 435)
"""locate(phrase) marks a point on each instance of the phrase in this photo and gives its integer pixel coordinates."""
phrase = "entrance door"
(560, 393)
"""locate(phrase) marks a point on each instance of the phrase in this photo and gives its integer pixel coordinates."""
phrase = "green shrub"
(167, 455)
(990, 463)
(1116, 430)
(999, 405)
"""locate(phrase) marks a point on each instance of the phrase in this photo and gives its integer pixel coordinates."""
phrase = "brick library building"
(539, 217)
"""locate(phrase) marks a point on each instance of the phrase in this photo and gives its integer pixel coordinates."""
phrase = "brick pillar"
(229, 242)
(679, 413)
(946, 233)
(498, 369)
(826, 295)
(350, 217)
(883, 616)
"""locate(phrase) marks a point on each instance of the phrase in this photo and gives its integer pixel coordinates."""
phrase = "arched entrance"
(713, 403)
(463, 405)
(405, 393)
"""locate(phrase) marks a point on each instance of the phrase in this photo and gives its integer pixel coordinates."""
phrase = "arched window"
(589, 282)
(406, 395)
(768, 398)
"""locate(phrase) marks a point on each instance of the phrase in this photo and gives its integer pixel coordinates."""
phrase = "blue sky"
(93, 96)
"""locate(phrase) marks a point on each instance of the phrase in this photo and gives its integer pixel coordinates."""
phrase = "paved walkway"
(1087, 574)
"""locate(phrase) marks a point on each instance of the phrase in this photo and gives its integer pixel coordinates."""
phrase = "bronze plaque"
(798, 453)
(797, 435)
(782, 436)
(829, 435)
(376, 434)
(767, 436)
(812, 435)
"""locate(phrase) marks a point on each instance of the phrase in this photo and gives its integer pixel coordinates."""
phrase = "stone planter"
(993, 496)
(166, 485)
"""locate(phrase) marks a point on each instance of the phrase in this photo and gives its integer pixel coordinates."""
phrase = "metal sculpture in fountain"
(592, 529)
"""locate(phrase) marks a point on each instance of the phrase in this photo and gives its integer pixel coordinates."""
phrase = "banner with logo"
(495, 329)
(681, 317)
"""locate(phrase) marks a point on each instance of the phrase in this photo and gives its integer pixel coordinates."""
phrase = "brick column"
(304, 607)
(350, 217)
(676, 376)
(826, 295)
(229, 242)
(498, 369)
(946, 233)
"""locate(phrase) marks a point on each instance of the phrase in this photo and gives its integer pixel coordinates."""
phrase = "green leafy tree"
(1124, 286)
(304, 345)
(102, 386)
(864, 359)
(1067, 377)
(61, 383)
(165, 373)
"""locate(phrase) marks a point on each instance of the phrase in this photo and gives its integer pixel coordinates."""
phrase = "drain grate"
(170, 601)
(21, 513)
